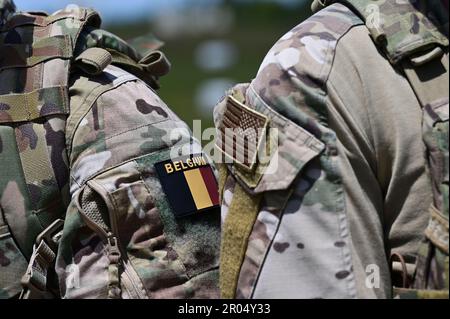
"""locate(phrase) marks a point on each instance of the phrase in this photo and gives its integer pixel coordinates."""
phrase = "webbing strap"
(43, 20)
(236, 231)
(37, 168)
(27, 107)
(402, 293)
(35, 279)
(149, 69)
(127, 63)
(429, 78)
(28, 55)
(93, 61)
(437, 230)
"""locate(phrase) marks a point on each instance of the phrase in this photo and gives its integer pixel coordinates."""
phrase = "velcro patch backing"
(189, 184)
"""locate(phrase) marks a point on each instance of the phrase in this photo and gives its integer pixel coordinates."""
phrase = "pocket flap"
(283, 150)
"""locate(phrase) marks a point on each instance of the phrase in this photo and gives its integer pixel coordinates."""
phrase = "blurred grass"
(257, 27)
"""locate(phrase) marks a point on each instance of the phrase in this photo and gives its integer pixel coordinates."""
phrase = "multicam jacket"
(82, 137)
(348, 115)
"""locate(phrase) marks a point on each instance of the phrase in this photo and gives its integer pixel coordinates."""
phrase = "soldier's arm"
(131, 230)
(348, 180)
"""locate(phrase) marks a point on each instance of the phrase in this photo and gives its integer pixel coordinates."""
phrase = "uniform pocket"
(256, 190)
(284, 148)
(194, 238)
(160, 252)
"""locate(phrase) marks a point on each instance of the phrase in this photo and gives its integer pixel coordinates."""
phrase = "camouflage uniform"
(7, 7)
(124, 131)
(348, 183)
(85, 148)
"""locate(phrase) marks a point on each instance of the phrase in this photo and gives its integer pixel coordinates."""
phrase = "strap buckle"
(51, 235)
(34, 281)
(31, 288)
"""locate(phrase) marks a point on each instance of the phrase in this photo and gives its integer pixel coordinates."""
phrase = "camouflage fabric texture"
(34, 184)
(84, 147)
(300, 245)
(432, 272)
(301, 181)
(391, 31)
(389, 22)
(118, 206)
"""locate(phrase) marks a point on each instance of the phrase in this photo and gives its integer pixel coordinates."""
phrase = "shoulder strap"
(149, 67)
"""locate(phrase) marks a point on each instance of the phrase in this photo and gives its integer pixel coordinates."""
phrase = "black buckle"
(49, 234)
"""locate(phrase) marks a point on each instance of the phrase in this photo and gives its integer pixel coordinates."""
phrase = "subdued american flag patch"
(241, 132)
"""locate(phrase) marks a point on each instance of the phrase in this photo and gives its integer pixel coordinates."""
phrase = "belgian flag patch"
(189, 184)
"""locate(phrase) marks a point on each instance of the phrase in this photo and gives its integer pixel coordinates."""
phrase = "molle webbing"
(36, 49)
(25, 19)
(27, 55)
(34, 105)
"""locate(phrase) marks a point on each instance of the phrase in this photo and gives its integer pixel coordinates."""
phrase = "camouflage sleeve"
(299, 244)
(345, 178)
(124, 236)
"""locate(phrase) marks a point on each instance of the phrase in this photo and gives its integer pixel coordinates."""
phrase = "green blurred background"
(212, 44)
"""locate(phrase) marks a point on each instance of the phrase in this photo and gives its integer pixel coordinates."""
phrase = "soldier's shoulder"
(116, 88)
(296, 70)
(116, 117)
(307, 51)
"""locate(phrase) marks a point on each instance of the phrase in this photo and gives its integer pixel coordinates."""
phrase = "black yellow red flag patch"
(189, 184)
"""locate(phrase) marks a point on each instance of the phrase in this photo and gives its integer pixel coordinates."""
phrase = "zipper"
(116, 254)
(115, 260)
(136, 284)
(113, 250)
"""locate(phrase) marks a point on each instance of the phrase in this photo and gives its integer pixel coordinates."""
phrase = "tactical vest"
(38, 54)
(421, 54)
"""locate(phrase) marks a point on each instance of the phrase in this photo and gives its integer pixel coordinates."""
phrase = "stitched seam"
(106, 169)
(135, 129)
(95, 94)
